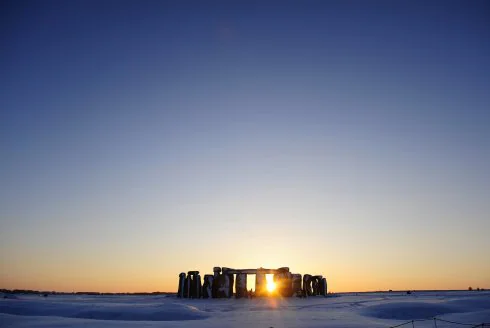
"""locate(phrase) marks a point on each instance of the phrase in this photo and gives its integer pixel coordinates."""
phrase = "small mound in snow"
(8, 296)
(105, 311)
(408, 310)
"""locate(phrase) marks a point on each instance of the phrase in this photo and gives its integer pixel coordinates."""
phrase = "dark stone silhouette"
(283, 281)
(296, 285)
(241, 285)
(180, 291)
(220, 284)
(207, 287)
(307, 290)
(316, 282)
(194, 284)
(323, 287)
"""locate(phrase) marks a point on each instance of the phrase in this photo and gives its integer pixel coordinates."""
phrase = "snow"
(409, 310)
(342, 310)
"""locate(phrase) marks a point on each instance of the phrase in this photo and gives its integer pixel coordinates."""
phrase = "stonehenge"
(227, 282)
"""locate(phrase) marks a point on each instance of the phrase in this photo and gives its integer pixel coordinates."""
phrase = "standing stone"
(192, 290)
(241, 285)
(216, 282)
(296, 284)
(223, 286)
(278, 282)
(287, 285)
(226, 285)
(260, 283)
(198, 286)
(323, 289)
(180, 291)
(316, 280)
(193, 287)
(187, 286)
(282, 279)
(231, 279)
(307, 291)
(314, 286)
(207, 287)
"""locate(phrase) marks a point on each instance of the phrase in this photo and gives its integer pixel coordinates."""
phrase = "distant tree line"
(38, 292)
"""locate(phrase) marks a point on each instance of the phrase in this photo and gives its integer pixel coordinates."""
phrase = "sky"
(141, 139)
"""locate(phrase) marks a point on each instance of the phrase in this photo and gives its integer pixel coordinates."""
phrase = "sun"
(271, 286)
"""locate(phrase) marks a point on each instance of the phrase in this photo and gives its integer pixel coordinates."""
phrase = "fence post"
(413, 326)
(435, 322)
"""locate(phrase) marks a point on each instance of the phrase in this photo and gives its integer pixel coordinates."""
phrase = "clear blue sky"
(139, 139)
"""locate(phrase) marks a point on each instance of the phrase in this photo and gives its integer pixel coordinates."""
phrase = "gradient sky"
(139, 139)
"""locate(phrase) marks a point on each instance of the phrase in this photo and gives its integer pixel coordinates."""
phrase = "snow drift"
(105, 311)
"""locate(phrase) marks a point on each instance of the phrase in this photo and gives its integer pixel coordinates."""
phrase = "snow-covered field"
(343, 310)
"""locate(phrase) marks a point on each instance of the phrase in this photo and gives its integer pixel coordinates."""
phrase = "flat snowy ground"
(342, 310)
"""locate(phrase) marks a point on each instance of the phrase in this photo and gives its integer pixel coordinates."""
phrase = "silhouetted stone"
(307, 290)
(296, 284)
(180, 291)
(260, 283)
(197, 286)
(187, 286)
(216, 271)
(216, 283)
(241, 285)
(207, 287)
(225, 287)
(323, 287)
(231, 279)
(283, 281)
(222, 286)
(315, 284)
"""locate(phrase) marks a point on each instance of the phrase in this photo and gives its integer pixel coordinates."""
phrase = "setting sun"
(271, 286)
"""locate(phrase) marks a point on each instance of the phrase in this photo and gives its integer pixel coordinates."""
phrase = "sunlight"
(271, 286)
